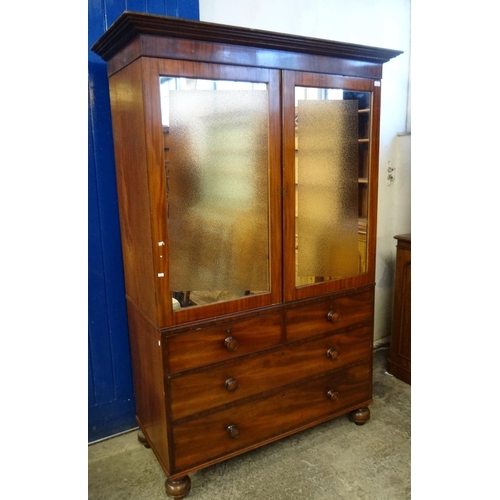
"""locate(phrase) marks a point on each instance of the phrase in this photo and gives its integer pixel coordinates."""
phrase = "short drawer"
(214, 386)
(210, 345)
(329, 315)
(291, 408)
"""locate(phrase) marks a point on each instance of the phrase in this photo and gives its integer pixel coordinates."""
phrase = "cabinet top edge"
(403, 237)
(130, 25)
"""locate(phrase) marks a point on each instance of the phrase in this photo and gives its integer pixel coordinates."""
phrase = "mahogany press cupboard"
(247, 169)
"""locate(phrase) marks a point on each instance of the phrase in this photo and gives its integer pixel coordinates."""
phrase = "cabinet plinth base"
(178, 488)
(360, 416)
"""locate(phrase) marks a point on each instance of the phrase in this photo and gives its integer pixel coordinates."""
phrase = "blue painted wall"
(110, 388)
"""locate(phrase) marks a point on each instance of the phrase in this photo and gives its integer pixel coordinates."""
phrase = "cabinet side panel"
(405, 321)
(399, 362)
(127, 113)
(147, 364)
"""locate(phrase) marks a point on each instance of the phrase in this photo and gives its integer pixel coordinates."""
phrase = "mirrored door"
(219, 156)
(328, 141)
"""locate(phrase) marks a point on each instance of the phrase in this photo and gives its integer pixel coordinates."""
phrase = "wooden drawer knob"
(334, 317)
(332, 395)
(231, 344)
(333, 354)
(231, 384)
(233, 431)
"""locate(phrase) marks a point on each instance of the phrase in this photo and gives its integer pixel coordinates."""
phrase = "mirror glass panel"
(332, 135)
(216, 163)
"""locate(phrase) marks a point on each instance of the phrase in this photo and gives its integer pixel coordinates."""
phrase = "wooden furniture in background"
(220, 373)
(399, 362)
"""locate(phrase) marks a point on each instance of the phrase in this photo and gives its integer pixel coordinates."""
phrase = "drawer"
(205, 389)
(334, 351)
(291, 408)
(329, 315)
(227, 341)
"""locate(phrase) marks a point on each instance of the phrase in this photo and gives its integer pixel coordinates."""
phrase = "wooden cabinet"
(399, 362)
(247, 168)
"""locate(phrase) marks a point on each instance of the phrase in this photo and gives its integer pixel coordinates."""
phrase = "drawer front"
(234, 429)
(228, 341)
(329, 315)
(195, 392)
(334, 351)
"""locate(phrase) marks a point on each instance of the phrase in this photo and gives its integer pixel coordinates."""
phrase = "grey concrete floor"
(335, 460)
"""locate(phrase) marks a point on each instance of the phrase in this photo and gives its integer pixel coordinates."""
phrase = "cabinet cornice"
(133, 24)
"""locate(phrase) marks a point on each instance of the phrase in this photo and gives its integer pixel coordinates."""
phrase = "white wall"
(381, 23)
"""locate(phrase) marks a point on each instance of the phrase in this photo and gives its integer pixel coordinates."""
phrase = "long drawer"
(227, 341)
(329, 315)
(207, 388)
(198, 440)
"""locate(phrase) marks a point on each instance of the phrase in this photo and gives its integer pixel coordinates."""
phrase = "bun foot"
(142, 439)
(360, 416)
(178, 488)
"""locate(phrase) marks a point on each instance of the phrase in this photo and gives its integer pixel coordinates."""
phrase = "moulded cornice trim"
(132, 24)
